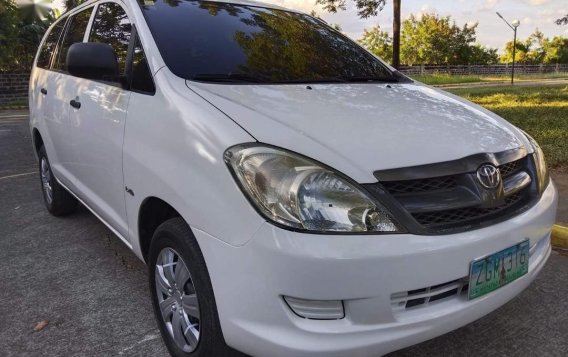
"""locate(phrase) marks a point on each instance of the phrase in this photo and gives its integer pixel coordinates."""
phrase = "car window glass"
(141, 76)
(219, 41)
(111, 25)
(76, 27)
(49, 45)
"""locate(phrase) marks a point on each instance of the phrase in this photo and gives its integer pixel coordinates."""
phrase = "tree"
(521, 50)
(379, 42)
(432, 39)
(21, 30)
(556, 50)
(537, 49)
(562, 20)
(366, 9)
(70, 4)
(483, 55)
(9, 23)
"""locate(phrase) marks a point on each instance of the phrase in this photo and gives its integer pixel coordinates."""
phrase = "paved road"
(74, 273)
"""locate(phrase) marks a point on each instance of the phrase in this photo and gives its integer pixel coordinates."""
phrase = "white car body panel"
(364, 271)
(175, 152)
(170, 145)
(360, 128)
(96, 132)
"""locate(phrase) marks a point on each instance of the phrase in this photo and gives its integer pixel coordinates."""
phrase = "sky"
(491, 31)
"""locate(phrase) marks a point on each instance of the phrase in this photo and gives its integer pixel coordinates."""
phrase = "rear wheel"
(57, 200)
(182, 294)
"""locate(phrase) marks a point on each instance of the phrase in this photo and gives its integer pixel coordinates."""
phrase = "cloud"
(537, 2)
(488, 5)
(300, 5)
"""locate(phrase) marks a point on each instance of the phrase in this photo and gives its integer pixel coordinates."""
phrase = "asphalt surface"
(75, 274)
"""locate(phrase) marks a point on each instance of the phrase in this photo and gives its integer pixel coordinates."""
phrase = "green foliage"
(483, 55)
(556, 50)
(445, 79)
(562, 20)
(21, 31)
(9, 23)
(70, 4)
(537, 49)
(431, 39)
(539, 110)
(442, 78)
(365, 8)
(379, 42)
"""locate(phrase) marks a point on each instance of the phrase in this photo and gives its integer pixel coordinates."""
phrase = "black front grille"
(423, 185)
(457, 200)
(510, 168)
(463, 215)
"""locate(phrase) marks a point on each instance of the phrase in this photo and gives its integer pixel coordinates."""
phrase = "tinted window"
(141, 76)
(111, 26)
(203, 40)
(76, 27)
(49, 45)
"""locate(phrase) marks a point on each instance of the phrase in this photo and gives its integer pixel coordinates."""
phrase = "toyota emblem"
(489, 176)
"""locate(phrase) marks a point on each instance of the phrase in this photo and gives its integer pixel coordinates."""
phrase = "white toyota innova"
(290, 193)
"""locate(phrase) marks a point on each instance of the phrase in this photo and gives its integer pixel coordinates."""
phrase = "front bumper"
(363, 271)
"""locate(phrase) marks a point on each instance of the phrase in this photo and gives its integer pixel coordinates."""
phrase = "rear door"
(61, 90)
(42, 96)
(97, 127)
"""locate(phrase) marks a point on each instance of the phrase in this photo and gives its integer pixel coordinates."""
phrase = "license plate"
(495, 270)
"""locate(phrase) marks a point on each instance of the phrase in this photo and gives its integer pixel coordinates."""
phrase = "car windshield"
(223, 42)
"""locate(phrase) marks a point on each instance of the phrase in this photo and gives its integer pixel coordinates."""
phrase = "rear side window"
(76, 27)
(49, 45)
(111, 25)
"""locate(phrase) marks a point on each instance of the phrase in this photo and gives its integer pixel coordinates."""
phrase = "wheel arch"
(153, 212)
(37, 140)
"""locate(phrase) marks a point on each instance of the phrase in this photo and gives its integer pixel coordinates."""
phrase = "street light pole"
(514, 52)
(513, 27)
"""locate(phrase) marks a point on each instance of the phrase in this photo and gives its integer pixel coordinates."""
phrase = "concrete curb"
(560, 236)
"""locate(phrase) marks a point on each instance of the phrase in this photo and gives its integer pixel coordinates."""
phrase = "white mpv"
(290, 193)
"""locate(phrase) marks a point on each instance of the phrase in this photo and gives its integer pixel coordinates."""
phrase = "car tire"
(58, 201)
(172, 243)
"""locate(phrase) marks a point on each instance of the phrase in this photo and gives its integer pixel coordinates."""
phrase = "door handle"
(43, 91)
(75, 103)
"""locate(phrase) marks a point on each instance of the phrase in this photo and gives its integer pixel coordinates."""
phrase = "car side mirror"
(92, 61)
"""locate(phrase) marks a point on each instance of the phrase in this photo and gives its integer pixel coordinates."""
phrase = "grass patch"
(436, 79)
(14, 105)
(442, 79)
(541, 111)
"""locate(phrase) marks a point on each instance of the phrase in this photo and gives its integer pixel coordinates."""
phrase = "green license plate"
(493, 271)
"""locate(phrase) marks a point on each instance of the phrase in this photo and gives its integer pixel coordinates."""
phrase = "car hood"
(361, 128)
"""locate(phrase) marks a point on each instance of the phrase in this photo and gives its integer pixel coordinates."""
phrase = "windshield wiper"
(227, 77)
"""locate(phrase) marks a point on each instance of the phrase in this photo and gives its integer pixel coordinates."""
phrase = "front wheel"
(182, 294)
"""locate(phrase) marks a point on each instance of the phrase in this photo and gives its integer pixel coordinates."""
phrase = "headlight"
(542, 170)
(299, 193)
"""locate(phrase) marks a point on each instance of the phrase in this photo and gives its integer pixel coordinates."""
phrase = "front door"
(97, 126)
